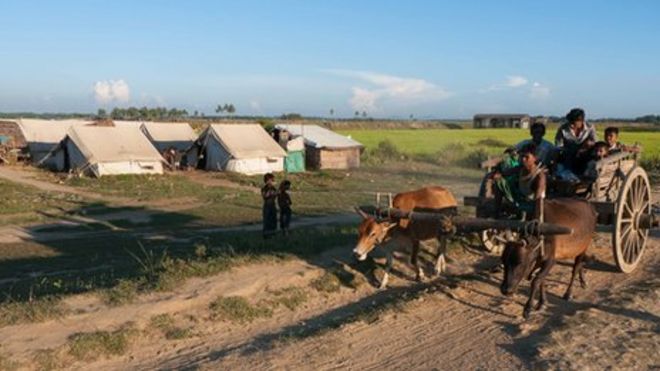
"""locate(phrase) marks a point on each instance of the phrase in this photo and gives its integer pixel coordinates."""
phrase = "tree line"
(143, 113)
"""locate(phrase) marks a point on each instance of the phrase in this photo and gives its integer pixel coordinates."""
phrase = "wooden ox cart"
(621, 195)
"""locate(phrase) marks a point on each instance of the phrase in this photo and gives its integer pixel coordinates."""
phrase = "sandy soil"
(458, 321)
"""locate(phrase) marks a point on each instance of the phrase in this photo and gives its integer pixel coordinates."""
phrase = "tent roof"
(246, 140)
(47, 131)
(318, 137)
(113, 144)
(169, 131)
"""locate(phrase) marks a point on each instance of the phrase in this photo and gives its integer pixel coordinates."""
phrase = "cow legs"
(583, 281)
(577, 269)
(440, 264)
(537, 284)
(388, 267)
(414, 260)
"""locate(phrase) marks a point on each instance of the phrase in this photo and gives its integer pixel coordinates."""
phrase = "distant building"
(501, 120)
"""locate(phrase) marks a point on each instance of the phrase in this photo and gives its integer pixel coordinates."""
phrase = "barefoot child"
(284, 202)
(269, 211)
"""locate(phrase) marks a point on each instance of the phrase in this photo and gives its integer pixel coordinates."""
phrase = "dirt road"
(458, 321)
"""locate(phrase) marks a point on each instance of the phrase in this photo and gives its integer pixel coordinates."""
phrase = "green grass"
(424, 141)
(20, 203)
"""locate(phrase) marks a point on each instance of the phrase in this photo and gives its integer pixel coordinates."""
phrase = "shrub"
(387, 150)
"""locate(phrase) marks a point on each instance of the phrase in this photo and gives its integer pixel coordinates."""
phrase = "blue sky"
(390, 58)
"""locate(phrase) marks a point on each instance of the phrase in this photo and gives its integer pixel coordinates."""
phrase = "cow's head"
(371, 233)
(519, 259)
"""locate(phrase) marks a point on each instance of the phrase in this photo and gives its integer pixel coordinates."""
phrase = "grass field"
(424, 141)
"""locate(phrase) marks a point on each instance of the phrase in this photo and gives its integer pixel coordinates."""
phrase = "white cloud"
(539, 91)
(515, 81)
(390, 90)
(512, 82)
(111, 91)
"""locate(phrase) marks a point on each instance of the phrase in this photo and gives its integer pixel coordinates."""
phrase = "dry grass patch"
(15, 312)
(165, 324)
(290, 297)
(237, 309)
(333, 279)
(88, 346)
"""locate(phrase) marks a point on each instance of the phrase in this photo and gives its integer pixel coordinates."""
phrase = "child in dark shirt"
(269, 211)
(284, 202)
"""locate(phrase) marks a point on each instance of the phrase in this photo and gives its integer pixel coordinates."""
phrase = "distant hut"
(11, 137)
(294, 162)
(105, 150)
(240, 148)
(325, 149)
(501, 120)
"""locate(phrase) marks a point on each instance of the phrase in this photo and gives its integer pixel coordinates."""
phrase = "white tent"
(106, 150)
(177, 135)
(42, 135)
(241, 148)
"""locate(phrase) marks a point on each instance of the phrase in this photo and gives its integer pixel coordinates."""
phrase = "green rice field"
(422, 141)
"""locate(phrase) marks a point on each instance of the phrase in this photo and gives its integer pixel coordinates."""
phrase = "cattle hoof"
(383, 283)
(526, 313)
(567, 296)
(583, 284)
(420, 277)
(539, 306)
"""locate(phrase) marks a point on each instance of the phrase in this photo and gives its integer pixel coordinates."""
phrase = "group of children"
(273, 198)
(573, 158)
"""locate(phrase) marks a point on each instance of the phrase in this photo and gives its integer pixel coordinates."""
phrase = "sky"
(392, 59)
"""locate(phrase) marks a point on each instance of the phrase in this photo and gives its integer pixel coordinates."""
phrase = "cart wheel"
(628, 238)
(493, 240)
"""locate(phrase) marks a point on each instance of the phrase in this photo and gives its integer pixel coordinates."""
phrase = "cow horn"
(361, 213)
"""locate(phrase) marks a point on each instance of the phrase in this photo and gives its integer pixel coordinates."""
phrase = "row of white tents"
(130, 147)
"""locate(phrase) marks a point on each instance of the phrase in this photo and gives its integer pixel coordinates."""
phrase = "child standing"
(269, 211)
(284, 202)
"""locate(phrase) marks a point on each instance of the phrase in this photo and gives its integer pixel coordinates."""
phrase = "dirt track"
(459, 321)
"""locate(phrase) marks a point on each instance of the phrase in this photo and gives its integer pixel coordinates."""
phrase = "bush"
(387, 150)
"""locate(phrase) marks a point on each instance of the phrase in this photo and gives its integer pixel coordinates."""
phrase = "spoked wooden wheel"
(632, 208)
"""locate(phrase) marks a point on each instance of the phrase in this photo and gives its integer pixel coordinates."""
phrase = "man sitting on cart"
(574, 140)
(545, 151)
(529, 189)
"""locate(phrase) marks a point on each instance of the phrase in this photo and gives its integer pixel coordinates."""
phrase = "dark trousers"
(285, 218)
(269, 214)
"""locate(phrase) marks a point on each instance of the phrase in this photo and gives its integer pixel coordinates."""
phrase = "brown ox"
(373, 232)
(521, 259)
